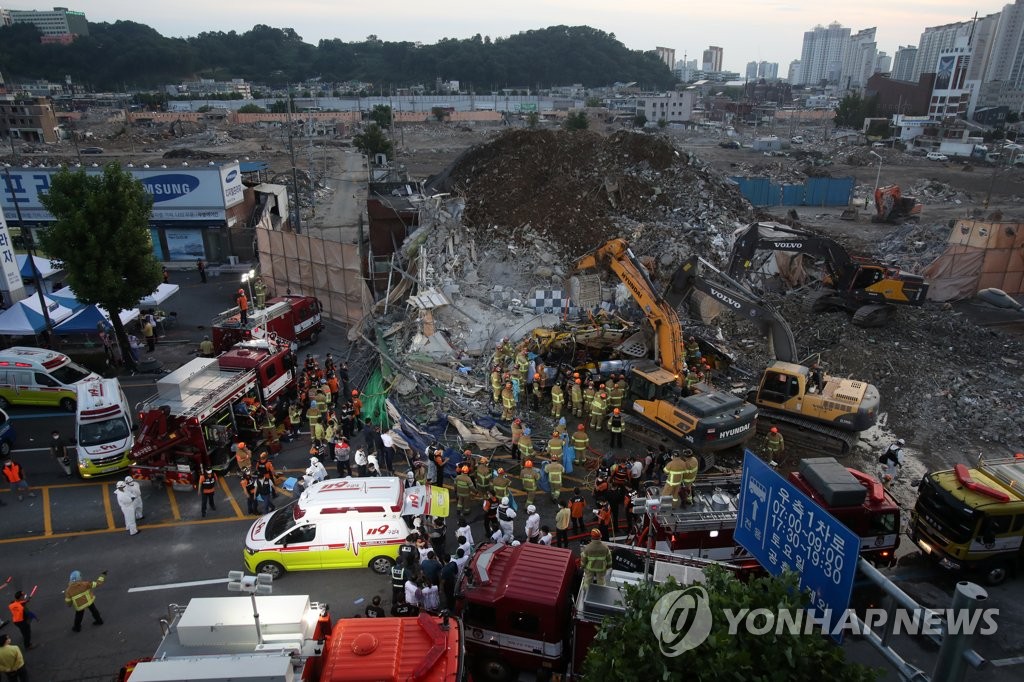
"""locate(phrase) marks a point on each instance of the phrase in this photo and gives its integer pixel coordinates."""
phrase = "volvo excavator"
(812, 409)
(706, 421)
(868, 288)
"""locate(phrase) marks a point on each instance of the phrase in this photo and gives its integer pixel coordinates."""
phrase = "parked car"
(935, 156)
(91, 150)
(729, 144)
(6, 434)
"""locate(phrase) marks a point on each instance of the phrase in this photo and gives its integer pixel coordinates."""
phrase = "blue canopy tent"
(66, 297)
(21, 320)
(85, 321)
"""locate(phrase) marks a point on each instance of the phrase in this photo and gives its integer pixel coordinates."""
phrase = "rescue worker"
(580, 444)
(294, 417)
(508, 402)
(555, 446)
(243, 456)
(14, 473)
(22, 618)
(126, 501)
(206, 349)
(79, 596)
(615, 394)
(597, 410)
(674, 478)
(490, 507)
(576, 394)
(577, 506)
(207, 489)
(482, 476)
(506, 515)
(774, 445)
(817, 377)
(616, 425)
(605, 520)
(690, 384)
(526, 445)
(316, 471)
(132, 486)
(316, 428)
(555, 470)
(557, 401)
(440, 461)
(892, 462)
(243, 307)
(536, 389)
(463, 488)
(529, 477)
(522, 364)
(532, 525)
(692, 351)
(500, 484)
(517, 433)
(596, 559)
(588, 398)
(248, 485)
(399, 574)
(691, 466)
(496, 383)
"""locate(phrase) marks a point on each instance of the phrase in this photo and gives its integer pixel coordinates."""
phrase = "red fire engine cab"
(207, 404)
(294, 319)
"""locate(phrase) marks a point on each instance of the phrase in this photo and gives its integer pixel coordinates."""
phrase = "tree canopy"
(128, 54)
(101, 239)
(853, 109)
(626, 647)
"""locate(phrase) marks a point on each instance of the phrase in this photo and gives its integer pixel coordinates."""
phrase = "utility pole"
(295, 175)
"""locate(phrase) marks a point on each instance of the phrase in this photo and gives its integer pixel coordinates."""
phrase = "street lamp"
(879, 173)
(247, 278)
(251, 585)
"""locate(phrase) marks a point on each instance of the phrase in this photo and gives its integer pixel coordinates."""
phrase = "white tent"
(162, 293)
(58, 313)
(44, 265)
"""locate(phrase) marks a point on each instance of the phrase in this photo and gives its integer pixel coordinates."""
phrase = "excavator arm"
(734, 296)
(617, 256)
(755, 238)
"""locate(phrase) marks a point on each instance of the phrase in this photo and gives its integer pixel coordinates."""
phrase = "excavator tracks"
(806, 435)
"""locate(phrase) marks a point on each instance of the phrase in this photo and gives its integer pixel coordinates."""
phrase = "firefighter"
(529, 477)
(615, 393)
(691, 464)
(490, 507)
(316, 428)
(496, 383)
(500, 484)
(207, 489)
(506, 515)
(616, 425)
(525, 445)
(597, 410)
(674, 478)
(243, 456)
(692, 351)
(536, 389)
(508, 401)
(557, 401)
(576, 394)
(79, 596)
(774, 444)
(517, 433)
(690, 384)
(606, 520)
(588, 398)
(555, 470)
(522, 364)
(580, 444)
(294, 417)
(463, 488)
(555, 446)
(596, 559)
(483, 476)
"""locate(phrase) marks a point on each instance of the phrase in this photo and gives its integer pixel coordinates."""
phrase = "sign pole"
(30, 246)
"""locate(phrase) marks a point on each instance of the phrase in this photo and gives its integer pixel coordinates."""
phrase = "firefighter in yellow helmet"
(596, 558)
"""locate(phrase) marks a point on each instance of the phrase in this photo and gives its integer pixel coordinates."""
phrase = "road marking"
(231, 498)
(100, 531)
(47, 520)
(107, 509)
(175, 512)
(171, 586)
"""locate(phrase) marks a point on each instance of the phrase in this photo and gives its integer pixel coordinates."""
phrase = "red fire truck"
(290, 318)
(207, 404)
(704, 528)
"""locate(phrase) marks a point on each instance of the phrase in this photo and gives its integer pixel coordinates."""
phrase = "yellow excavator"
(706, 421)
(812, 409)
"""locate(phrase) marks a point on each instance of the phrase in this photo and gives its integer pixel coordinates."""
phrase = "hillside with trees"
(128, 54)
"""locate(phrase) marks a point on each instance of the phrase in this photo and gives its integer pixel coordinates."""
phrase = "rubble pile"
(579, 189)
(913, 246)
(935, 192)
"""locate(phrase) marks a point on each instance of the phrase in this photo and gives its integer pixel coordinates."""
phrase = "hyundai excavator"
(868, 288)
(706, 421)
(824, 415)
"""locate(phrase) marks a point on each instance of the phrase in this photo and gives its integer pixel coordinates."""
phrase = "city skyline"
(746, 30)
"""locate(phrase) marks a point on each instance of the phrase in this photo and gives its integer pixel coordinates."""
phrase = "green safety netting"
(374, 393)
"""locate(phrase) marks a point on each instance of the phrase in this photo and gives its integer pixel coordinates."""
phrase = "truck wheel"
(67, 404)
(382, 565)
(313, 337)
(271, 568)
(495, 671)
(996, 574)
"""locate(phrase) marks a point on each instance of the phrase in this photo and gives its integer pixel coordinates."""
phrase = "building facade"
(768, 70)
(59, 22)
(822, 54)
(675, 107)
(1006, 58)
(793, 74)
(903, 63)
(934, 40)
(951, 94)
(27, 120)
(712, 60)
(859, 59)
(667, 55)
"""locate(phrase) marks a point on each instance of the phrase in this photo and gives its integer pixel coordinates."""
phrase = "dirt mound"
(578, 189)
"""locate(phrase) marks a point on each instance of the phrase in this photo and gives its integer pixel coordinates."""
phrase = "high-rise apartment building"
(903, 63)
(751, 71)
(883, 63)
(60, 22)
(793, 74)
(1006, 57)
(712, 60)
(934, 40)
(859, 60)
(768, 70)
(667, 55)
(821, 58)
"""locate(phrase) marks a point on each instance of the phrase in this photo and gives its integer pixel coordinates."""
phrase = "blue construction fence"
(813, 192)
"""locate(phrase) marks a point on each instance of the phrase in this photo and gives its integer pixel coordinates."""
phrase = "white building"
(768, 70)
(1006, 57)
(859, 60)
(61, 21)
(883, 63)
(712, 59)
(751, 70)
(903, 63)
(821, 58)
(951, 93)
(934, 40)
(667, 55)
(793, 75)
(674, 107)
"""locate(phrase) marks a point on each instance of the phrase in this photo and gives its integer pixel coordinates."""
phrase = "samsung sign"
(170, 186)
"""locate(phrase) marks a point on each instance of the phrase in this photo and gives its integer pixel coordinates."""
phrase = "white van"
(340, 523)
(37, 376)
(103, 428)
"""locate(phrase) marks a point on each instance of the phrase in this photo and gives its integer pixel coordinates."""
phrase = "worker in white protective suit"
(126, 501)
(133, 487)
(506, 515)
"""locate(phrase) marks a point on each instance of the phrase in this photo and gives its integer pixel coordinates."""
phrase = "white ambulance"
(340, 523)
(103, 428)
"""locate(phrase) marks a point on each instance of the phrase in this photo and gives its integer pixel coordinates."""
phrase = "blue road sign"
(785, 530)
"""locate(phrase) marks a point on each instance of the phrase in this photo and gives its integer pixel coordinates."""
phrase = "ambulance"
(36, 376)
(103, 428)
(341, 523)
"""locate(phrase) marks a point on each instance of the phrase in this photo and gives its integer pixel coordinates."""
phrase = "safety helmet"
(129, 479)
(604, 395)
(263, 455)
(775, 429)
(900, 441)
(575, 375)
(120, 485)
(579, 427)
(501, 471)
(241, 291)
(508, 384)
(517, 420)
(312, 403)
(314, 460)
(355, 392)
(410, 475)
(467, 452)
(530, 509)
(241, 445)
(536, 376)
(465, 469)
(595, 533)
(615, 411)
(578, 382)
(529, 464)
(601, 386)
(504, 501)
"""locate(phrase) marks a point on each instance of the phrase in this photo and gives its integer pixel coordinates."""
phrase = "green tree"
(101, 239)
(853, 109)
(576, 120)
(372, 141)
(250, 109)
(593, 101)
(381, 115)
(640, 120)
(203, 109)
(662, 123)
(532, 119)
(627, 649)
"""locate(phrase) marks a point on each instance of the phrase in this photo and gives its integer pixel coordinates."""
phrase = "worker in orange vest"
(15, 475)
(243, 307)
(207, 489)
(357, 404)
(22, 617)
